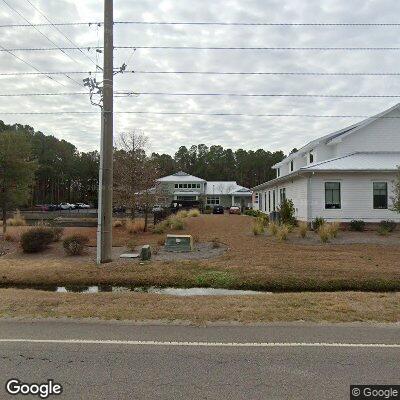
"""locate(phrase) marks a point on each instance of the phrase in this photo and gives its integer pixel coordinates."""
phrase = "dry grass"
(194, 213)
(333, 228)
(273, 228)
(324, 233)
(182, 214)
(303, 229)
(16, 220)
(253, 262)
(330, 307)
(258, 228)
(118, 223)
(283, 232)
(134, 226)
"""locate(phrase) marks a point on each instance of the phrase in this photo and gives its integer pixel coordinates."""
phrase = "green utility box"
(145, 253)
(179, 243)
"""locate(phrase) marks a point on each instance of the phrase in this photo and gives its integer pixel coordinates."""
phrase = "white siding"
(381, 135)
(356, 197)
(296, 190)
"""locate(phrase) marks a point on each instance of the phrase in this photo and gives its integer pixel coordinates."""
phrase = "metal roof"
(180, 177)
(370, 161)
(225, 187)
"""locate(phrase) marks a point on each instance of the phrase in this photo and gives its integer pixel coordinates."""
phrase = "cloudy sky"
(166, 132)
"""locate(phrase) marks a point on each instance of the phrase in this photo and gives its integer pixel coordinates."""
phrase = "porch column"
(233, 200)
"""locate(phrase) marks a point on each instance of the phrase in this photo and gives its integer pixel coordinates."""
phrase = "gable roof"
(364, 161)
(335, 135)
(354, 162)
(225, 187)
(180, 177)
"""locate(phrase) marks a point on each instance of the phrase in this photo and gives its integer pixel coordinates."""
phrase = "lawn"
(330, 307)
(251, 262)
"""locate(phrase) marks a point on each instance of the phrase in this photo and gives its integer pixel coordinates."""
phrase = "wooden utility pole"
(104, 228)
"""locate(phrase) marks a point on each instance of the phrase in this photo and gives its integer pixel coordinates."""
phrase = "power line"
(209, 73)
(60, 31)
(52, 42)
(30, 65)
(89, 48)
(130, 94)
(221, 114)
(215, 23)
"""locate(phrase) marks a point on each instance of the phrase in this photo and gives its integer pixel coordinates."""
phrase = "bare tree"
(135, 174)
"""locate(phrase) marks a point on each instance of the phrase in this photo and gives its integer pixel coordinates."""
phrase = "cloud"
(167, 132)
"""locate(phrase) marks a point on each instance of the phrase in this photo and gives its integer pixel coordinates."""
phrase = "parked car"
(177, 205)
(218, 209)
(82, 206)
(53, 207)
(157, 208)
(234, 210)
(67, 206)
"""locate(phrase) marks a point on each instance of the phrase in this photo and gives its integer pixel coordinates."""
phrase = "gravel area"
(202, 251)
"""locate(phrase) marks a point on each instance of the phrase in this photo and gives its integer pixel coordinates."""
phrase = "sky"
(167, 132)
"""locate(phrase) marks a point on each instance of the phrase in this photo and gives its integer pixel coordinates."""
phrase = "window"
(278, 172)
(212, 200)
(198, 186)
(190, 198)
(265, 201)
(273, 201)
(282, 195)
(269, 200)
(291, 166)
(380, 195)
(256, 198)
(311, 157)
(332, 195)
(176, 186)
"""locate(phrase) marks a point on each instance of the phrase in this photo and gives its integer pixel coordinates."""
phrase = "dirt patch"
(331, 307)
(202, 251)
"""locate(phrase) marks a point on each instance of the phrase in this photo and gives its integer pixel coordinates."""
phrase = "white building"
(182, 186)
(346, 175)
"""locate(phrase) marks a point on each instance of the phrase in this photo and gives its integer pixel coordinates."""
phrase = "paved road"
(98, 360)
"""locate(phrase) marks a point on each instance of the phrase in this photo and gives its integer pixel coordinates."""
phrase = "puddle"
(153, 290)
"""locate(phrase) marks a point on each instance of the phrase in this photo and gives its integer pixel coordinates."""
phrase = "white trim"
(202, 344)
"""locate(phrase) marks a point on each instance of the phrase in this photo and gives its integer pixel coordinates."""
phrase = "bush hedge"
(36, 239)
(75, 244)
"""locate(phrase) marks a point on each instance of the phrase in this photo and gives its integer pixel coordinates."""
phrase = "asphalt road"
(99, 360)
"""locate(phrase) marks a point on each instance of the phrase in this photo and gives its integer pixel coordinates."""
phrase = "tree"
(17, 171)
(135, 174)
(396, 192)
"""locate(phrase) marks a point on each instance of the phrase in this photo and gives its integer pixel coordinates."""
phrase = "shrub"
(118, 223)
(324, 233)
(176, 224)
(215, 243)
(333, 228)
(36, 239)
(383, 231)
(135, 226)
(182, 214)
(161, 227)
(357, 225)
(387, 225)
(303, 229)
(75, 244)
(263, 219)
(273, 228)
(318, 222)
(286, 212)
(9, 238)
(258, 228)
(255, 213)
(283, 232)
(194, 213)
(16, 220)
(58, 233)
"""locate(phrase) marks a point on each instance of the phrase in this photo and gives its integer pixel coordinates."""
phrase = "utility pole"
(104, 228)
